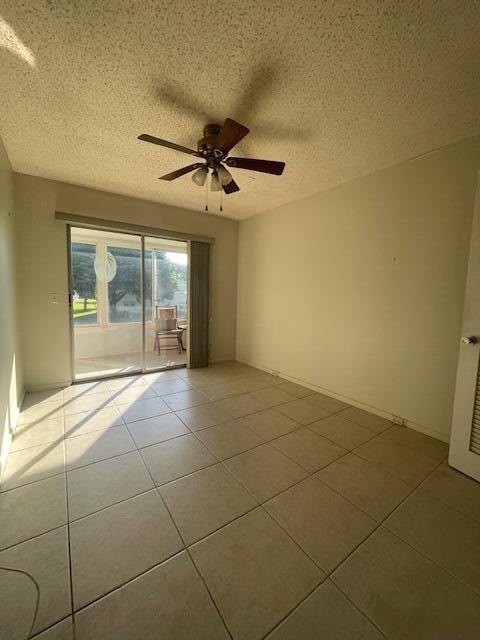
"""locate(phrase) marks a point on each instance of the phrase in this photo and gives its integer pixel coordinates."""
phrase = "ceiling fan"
(213, 149)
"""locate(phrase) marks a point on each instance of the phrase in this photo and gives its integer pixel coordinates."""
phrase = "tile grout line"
(446, 504)
(28, 484)
(324, 484)
(37, 535)
(379, 525)
(134, 379)
(217, 460)
(175, 411)
(65, 473)
(300, 426)
(139, 449)
(313, 476)
(476, 591)
(354, 604)
(311, 473)
(157, 487)
(425, 455)
(374, 433)
(298, 605)
(50, 627)
(112, 403)
(123, 584)
(125, 424)
(305, 598)
(432, 560)
(113, 504)
(111, 392)
(387, 471)
(325, 575)
(51, 446)
(185, 547)
(233, 520)
(257, 505)
(276, 495)
(126, 582)
(260, 505)
(375, 464)
(195, 542)
(329, 574)
(69, 546)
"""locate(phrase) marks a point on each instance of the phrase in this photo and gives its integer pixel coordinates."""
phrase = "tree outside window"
(124, 291)
(84, 283)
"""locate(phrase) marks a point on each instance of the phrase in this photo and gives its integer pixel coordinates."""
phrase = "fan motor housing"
(207, 144)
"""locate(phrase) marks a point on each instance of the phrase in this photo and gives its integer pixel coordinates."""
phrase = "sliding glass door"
(166, 287)
(128, 303)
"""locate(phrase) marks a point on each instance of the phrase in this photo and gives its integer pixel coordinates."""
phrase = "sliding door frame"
(142, 233)
(173, 366)
(142, 297)
(70, 303)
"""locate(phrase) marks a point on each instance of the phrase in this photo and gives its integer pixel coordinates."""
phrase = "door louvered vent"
(475, 437)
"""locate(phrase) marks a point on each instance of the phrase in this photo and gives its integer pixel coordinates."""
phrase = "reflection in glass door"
(106, 304)
(166, 287)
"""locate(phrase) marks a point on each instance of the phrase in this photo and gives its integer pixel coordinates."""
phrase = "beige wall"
(359, 289)
(43, 267)
(11, 385)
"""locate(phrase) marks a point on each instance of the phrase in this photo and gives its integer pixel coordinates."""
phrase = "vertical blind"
(199, 303)
(475, 437)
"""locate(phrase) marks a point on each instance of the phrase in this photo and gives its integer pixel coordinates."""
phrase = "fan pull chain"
(206, 195)
(221, 200)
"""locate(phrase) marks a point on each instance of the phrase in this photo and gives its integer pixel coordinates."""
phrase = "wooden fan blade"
(230, 134)
(231, 187)
(264, 166)
(181, 172)
(170, 145)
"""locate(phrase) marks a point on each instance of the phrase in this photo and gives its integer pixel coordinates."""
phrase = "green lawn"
(80, 312)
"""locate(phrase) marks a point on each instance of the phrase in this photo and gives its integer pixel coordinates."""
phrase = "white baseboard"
(47, 387)
(427, 430)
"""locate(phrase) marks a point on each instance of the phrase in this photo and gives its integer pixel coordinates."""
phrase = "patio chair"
(168, 336)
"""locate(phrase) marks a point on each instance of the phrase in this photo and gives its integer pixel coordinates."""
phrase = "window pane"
(171, 280)
(84, 284)
(180, 297)
(125, 290)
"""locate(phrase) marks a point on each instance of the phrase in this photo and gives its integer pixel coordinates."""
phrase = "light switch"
(54, 298)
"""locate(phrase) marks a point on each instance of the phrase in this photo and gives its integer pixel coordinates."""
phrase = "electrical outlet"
(54, 298)
(398, 420)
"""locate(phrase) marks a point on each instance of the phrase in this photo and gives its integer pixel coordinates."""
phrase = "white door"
(465, 439)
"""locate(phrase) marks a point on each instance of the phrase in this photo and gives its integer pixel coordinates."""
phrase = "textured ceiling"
(336, 89)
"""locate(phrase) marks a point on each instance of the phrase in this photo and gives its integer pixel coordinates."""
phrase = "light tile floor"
(121, 364)
(228, 503)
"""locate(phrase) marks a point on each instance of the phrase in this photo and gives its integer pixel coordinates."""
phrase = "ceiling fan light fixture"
(200, 176)
(214, 149)
(224, 176)
(216, 185)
